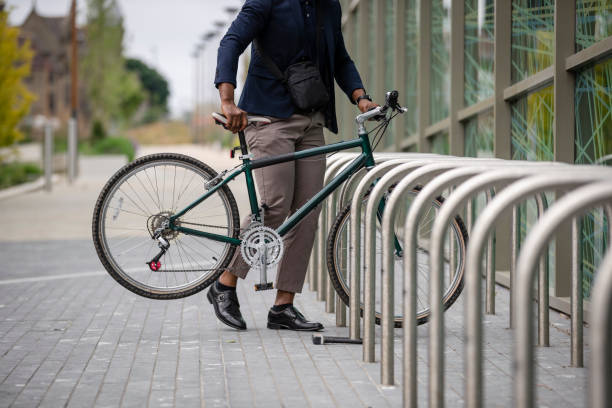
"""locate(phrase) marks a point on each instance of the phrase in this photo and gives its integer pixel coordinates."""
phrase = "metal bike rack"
(334, 168)
(507, 198)
(600, 372)
(452, 205)
(572, 205)
(456, 174)
(325, 291)
(312, 277)
(409, 174)
(451, 176)
(355, 255)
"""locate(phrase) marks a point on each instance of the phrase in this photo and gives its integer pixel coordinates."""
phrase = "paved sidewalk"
(71, 336)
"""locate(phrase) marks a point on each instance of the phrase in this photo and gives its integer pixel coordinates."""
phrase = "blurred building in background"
(50, 39)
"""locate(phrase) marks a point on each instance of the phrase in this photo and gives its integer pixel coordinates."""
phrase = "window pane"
(593, 110)
(479, 41)
(532, 139)
(440, 50)
(439, 143)
(532, 126)
(593, 22)
(479, 141)
(411, 40)
(532, 37)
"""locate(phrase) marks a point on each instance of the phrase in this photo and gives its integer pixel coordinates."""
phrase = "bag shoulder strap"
(268, 61)
(319, 28)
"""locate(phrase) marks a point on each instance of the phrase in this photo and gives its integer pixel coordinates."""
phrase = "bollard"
(48, 155)
(72, 158)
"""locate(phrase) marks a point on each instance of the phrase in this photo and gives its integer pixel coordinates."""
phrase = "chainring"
(258, 239)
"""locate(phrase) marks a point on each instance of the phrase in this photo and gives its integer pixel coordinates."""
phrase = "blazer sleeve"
(250, 21)
(345, 71)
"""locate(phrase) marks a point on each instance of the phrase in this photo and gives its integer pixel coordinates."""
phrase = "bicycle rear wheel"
(137, 200)
(454, 259)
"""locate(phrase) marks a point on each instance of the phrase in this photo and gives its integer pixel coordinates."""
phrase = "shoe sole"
(233, 326)
(276, 326)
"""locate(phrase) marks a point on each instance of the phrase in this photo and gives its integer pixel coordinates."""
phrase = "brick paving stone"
(87, 341)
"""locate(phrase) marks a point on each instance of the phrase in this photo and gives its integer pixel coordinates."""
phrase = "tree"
(15, 99)
(154, 84)
(114, 93)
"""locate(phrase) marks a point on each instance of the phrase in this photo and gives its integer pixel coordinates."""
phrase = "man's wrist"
(357, 93)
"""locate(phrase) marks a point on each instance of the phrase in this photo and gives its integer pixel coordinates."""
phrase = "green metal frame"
(365, 159)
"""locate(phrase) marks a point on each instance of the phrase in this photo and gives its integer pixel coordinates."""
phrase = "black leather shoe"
(227, 307)
(291, 319)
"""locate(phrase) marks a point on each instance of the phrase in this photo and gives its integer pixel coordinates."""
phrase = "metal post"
(72, 150)
(490, 269)
(543, 310)
(48, 155)
(514, 253)
(576, 298)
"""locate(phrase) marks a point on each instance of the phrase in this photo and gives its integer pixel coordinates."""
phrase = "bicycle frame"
(365, 159)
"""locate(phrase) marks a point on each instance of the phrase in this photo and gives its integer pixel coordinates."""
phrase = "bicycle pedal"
(264, 286)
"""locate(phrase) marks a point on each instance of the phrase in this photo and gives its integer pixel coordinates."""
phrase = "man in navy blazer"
(286, 31)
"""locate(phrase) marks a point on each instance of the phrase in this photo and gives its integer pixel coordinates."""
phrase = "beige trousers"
(284, 188)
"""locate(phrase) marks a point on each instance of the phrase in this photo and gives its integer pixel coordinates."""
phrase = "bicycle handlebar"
(379, 113)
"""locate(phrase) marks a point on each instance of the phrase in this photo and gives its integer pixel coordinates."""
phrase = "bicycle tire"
(343, 290)
(100, 214)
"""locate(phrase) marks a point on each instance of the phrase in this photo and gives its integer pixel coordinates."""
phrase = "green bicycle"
(166, 225)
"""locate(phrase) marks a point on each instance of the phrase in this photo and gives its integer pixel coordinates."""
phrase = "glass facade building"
(493, 78)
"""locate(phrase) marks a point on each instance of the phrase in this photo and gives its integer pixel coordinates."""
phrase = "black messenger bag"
(302, 79)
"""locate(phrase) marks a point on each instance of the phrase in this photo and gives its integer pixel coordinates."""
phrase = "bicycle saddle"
(220, 119)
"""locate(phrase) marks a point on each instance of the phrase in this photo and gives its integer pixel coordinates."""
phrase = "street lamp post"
(194, 115)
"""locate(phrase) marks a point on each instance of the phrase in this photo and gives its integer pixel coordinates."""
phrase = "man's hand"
(236, 117)
(365, 105)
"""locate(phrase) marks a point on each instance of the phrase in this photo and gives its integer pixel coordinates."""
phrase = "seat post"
(243, 144)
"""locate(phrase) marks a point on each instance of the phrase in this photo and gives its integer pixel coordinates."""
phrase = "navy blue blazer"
(279, 25)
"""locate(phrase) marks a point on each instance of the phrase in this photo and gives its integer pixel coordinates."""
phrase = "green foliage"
(98, 131)
(114, 93)
(155, 85)
(15, 99)
(111, 145)
(14, 173)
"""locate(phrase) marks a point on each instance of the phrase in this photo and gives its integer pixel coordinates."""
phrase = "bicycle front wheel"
(338, 259)
(137, 201)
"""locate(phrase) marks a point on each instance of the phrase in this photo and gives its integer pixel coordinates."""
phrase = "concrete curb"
(25, 188)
